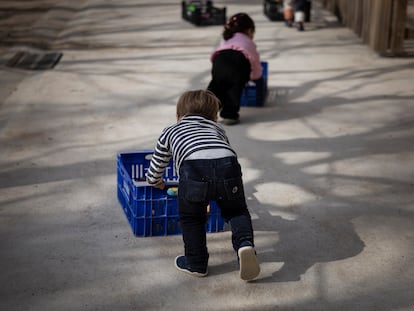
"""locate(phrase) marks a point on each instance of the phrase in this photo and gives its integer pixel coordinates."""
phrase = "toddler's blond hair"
(201, 102)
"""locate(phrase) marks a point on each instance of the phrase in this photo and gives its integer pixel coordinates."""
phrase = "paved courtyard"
(327, 163)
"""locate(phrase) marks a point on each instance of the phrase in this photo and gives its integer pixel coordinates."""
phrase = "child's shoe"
(230, 121)
(181, 264)
(249, 265)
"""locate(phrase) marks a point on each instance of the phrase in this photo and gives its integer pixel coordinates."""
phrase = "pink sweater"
(241, 42)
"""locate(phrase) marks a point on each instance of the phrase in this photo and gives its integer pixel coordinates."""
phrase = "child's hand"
(160, 185)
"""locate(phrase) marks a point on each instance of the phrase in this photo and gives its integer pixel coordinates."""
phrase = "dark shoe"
(249, 265)
(230, 121)
(181, 264)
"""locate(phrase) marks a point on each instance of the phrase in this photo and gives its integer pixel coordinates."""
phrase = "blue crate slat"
(254, 93)
(151, 211)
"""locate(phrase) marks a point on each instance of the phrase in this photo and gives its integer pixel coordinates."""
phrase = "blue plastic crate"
(153, 226)
(255, 92)
(151, 211)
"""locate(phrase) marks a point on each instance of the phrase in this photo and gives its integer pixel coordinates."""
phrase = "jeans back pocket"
(195, 191)
(234, 188)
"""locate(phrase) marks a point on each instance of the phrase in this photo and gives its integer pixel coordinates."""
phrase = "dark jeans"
(218, 180)
(230, 73)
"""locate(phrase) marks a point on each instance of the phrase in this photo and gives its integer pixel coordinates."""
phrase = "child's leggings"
(230, 73)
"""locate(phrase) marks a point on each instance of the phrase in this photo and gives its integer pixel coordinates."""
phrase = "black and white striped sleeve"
(159, 161)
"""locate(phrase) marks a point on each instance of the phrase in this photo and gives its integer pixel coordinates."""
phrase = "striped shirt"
(192, 135)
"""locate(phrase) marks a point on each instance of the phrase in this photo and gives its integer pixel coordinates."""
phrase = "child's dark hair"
(202, 102)
(240, 22)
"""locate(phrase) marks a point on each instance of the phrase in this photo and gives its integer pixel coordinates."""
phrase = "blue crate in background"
(254, 93)
(151, 211)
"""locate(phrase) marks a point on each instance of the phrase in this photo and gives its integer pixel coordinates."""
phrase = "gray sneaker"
(249, 265)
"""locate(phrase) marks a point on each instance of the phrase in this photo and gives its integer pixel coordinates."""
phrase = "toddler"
(234, 63)
(208, 171)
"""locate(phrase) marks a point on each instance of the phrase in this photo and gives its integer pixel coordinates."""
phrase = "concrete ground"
(327, 162)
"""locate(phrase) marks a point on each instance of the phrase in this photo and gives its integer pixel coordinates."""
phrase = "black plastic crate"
(273, 9)
(203, 13)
